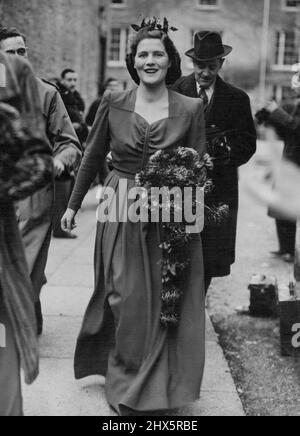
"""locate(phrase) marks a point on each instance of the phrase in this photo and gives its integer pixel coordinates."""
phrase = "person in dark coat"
(74, 103)
(285, 119)
(35, 213)
(231, 141)
(21, 130)
(111, 84)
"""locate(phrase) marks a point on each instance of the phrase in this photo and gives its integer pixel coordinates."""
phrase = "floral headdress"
(153, 23)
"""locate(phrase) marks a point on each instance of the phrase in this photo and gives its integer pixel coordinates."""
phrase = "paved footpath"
(64, 300)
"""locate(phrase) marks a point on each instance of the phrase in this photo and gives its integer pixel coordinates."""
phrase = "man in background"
(111, 84)
(231, 141)
(285, 119)
(35, 213)
(74, 102)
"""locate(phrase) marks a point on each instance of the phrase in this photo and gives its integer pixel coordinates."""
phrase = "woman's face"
(152, 62)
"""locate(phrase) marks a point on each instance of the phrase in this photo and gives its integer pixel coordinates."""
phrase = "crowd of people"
(158, 366)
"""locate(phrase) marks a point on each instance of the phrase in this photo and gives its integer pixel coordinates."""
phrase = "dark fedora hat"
(208, 46)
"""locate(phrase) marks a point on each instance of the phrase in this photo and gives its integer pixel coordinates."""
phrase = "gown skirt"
(147, 366)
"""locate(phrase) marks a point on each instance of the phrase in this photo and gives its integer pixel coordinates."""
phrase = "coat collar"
(189, 87)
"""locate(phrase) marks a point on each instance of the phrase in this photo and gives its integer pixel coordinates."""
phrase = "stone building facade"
(239, 21)
(91, 36)
(60, 34)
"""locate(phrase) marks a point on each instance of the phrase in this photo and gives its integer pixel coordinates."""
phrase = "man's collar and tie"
(205, 94)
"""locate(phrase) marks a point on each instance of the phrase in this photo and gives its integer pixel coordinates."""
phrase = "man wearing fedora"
(231, 141)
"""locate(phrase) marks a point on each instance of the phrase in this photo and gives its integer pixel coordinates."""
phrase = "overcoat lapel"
(189, 87)
(217, 102)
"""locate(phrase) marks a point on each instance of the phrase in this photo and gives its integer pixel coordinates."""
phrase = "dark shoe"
(65, 235)
(39, 318)
(242, 310)
(289, 258)
(278, 253)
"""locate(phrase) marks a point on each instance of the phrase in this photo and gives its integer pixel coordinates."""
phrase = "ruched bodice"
(119, 129)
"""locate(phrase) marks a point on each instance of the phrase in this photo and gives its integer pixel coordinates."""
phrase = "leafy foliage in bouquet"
(178, 168)
(22, 169)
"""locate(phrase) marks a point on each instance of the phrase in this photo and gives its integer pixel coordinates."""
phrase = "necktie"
(202, 94)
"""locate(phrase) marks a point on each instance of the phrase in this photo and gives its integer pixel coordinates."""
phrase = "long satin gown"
(148, 367)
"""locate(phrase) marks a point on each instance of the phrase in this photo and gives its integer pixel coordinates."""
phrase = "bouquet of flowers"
(181, 167)
(23, 170)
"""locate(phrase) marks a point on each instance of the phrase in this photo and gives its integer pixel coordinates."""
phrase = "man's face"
(115, 85)
(70, 81)
(14, 46)
(206, 72)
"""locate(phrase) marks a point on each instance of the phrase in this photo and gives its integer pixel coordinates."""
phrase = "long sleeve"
(243, 140)
(196, 136)
(61, 134)
(290, 123)
(96, 152)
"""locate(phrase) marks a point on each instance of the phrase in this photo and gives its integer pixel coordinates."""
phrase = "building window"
(208, 4)
(282, 94)
(286, 51)
(118, 3)
(118, 46)
(291, 5)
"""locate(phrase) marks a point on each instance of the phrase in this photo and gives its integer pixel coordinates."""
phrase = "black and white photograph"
(149, 210)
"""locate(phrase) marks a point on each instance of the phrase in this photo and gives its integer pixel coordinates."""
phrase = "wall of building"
(240, 22)
(66, 33)
(61, 34)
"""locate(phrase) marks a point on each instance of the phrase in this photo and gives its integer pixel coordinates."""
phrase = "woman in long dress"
(148, 367)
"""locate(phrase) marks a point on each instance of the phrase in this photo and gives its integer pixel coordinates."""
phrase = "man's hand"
(76, 126)
(271, 106)
(59, 167)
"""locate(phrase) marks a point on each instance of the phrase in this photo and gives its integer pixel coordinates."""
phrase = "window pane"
(208, 2)
(115, 43)
(292, 3)
(277, 48)
(286, 52)
(290, 49)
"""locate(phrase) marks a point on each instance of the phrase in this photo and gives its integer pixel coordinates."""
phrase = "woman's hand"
(68, 221)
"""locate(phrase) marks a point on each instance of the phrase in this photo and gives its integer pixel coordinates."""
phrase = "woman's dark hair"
(174, 71)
